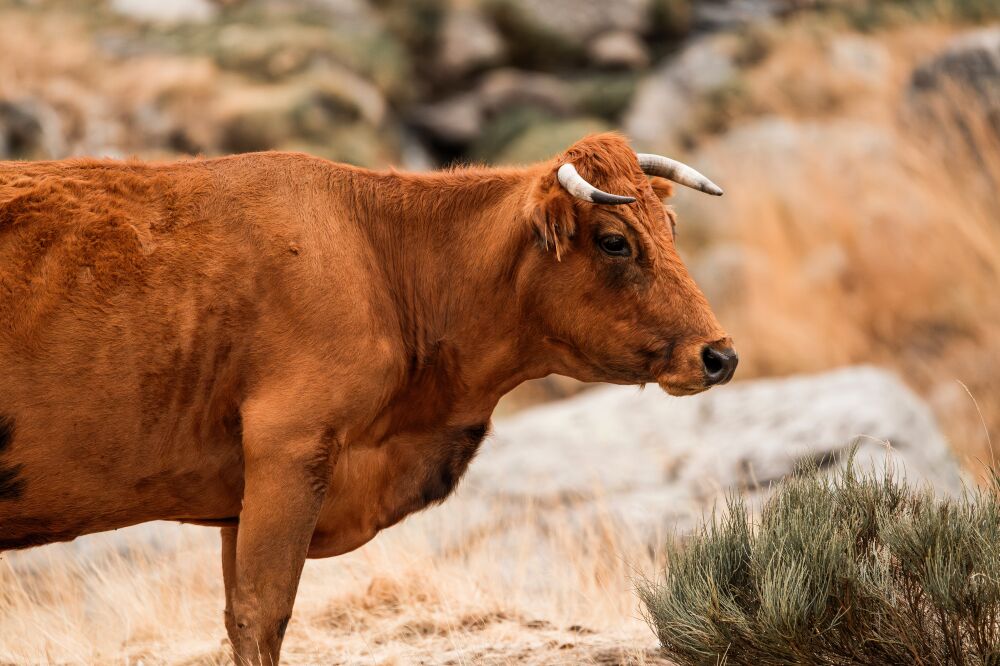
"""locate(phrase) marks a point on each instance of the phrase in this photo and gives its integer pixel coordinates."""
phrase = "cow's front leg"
(284, 486)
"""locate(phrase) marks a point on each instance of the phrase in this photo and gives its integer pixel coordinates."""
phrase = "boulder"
(173, 12)
(463, 117)
(548, 138)
(655, 462)
(20, 130)
(468, 42)
(620, 49)
(455, 120)
(504, 88)
(716, 15)
(667, 102)
(971, 61)
(580, 20)
(30, 129)
(954, 82)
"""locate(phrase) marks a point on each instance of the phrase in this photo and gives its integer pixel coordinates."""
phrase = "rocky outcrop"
(971, 61)
(468, 42)
(176, 11)
(666, 104)
(964, 76)
(655, 462)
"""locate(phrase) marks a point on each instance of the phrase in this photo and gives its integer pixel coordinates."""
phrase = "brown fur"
(302, 351)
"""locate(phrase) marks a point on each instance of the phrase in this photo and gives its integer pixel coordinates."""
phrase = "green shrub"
(859, 569)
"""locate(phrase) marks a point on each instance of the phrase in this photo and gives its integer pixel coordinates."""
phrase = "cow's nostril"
(720, 364)
(713, 362)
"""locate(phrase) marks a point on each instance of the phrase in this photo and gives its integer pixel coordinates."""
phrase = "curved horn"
(574, 183)
(657, 165)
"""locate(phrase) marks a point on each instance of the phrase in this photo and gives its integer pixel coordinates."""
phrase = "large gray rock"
(954, 82)
(655, 462)
(461, 118)
(619, 48)
(713, 15)
(666, 103)
(579, 20)
(29, 129)
(157, 11)
(972, 61)
(468, 42)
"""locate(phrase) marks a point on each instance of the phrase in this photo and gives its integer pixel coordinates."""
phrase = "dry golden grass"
(541, 592)
(879, 241)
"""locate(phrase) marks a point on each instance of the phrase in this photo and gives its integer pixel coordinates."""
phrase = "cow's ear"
(662, 188)
(552, 214)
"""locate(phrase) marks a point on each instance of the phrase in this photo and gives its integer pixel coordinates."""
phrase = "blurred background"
(858, 143)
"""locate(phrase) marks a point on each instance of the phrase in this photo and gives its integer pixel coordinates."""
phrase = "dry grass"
(542, 592)
(875, 238)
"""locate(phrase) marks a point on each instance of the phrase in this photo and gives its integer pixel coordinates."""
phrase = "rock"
(333, 105)
(619, 48)
(272, 54)
(338, 88)
(157, 11)
(972, 61)
(468, 42)
(966, 73)
(20, 131)
(653, 461)
(605, 94)
(717, 15)
(461, 119)
(579, 20)
(549, 138)
(455, 120)
(666, 104)
(504, 88)
(29, 129)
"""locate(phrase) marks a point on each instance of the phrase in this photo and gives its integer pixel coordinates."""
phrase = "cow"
(302, 353)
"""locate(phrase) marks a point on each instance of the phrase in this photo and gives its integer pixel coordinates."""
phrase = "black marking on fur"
(454, 457)
(22, 532)
(11, 484)
(282, 626)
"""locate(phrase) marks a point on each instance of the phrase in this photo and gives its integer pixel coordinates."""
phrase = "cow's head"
(606, 285)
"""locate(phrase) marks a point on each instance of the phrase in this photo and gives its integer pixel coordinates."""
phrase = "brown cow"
(304, 352)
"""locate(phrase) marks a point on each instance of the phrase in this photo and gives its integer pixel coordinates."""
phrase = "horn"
(657, 165)
(574, 183)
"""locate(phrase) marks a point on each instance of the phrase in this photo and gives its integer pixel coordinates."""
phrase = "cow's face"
(611, 296)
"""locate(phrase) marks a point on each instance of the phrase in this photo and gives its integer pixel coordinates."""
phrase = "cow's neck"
(449, 246)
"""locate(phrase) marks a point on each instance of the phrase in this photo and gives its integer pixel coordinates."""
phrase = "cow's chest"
(375, 486)
(424, 469)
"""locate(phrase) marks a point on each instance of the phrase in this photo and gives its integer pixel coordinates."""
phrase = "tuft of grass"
(857, 569)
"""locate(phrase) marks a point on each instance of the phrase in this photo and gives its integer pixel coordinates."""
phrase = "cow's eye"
(615, 244)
